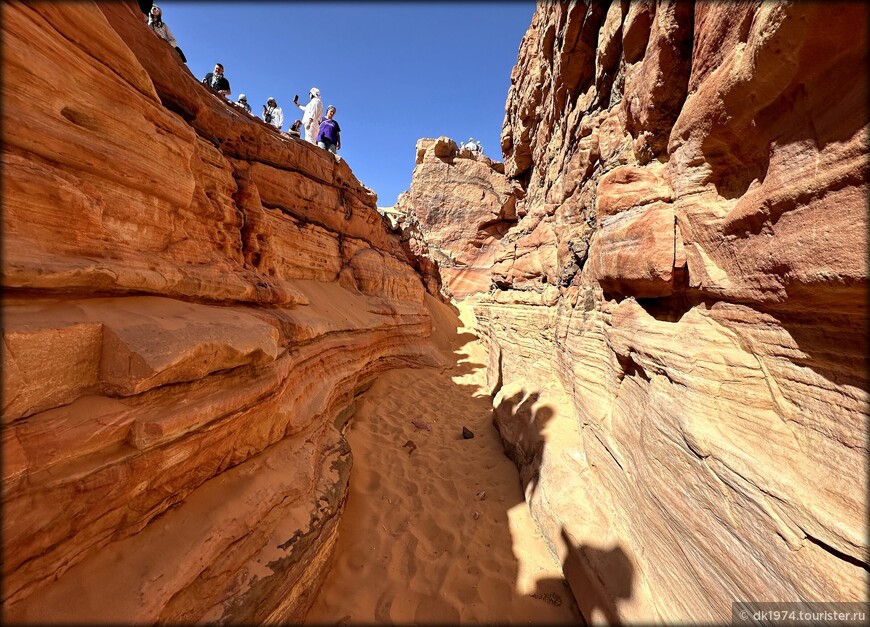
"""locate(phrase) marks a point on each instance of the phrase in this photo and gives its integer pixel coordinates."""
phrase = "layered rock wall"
(677, 330)
(191, 303)
(462, 205)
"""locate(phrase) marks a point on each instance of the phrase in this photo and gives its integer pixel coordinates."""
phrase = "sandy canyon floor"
(419, 541)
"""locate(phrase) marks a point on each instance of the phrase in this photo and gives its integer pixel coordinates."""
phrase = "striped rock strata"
(677, 330)
(191, 303)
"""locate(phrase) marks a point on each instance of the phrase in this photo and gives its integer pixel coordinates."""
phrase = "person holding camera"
(311, 115)
(272, 114)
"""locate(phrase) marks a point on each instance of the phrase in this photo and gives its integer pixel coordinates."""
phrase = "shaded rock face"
(191, 304)
(462, 205)
(413, 239)
(678, 340)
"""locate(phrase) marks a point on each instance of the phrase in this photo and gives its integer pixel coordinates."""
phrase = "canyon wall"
(677, 321)
(191, 303)
(462, 206)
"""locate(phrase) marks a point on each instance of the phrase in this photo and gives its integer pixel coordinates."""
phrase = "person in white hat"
(312, 112)
(243, 103)
(272, 113)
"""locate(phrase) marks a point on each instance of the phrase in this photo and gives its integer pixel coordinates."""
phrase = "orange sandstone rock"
(678, 337)
(181, 354)
(463, 205)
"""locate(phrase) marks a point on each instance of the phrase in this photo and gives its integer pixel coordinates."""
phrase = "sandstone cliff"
(191, 303)
(677, 329)
(463, 205)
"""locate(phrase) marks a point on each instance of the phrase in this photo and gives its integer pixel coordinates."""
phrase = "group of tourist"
(472, 146)
(319, 129)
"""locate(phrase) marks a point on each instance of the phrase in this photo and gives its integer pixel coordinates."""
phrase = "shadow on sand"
(599, 576)
(417, 543)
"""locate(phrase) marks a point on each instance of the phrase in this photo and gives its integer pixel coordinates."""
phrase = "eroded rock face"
(463, 205)
(679, 340)
(191, 303)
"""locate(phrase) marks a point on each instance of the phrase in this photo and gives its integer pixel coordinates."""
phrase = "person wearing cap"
(243, 103)
(155, 21)
(312, 113)
(329, 135)
(272, 114)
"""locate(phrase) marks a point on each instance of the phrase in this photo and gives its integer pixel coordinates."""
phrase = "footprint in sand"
(383, 606)
(407, 560)
(372, 482)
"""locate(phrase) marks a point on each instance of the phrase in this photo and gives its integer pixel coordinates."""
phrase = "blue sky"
(395, 71)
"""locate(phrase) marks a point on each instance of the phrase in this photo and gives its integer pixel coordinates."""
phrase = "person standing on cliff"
(272, 114)
(217, 81)
(329, 136)
(155, 21)
(311, 114)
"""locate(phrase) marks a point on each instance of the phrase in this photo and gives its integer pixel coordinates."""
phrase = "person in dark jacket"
(217, 81)
(295, 129)
(329, 137)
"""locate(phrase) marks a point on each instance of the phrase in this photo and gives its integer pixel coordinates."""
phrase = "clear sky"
(395, 71)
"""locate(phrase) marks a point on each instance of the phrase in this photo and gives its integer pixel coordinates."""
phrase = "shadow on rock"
(599, 578)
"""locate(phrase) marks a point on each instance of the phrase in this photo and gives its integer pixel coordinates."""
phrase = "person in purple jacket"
(329, 136)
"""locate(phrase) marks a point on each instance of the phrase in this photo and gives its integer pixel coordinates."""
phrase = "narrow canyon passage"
(418, 541)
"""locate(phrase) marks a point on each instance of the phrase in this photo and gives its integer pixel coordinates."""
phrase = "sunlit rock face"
(191, 303)
(463, 205)
(678, 337)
